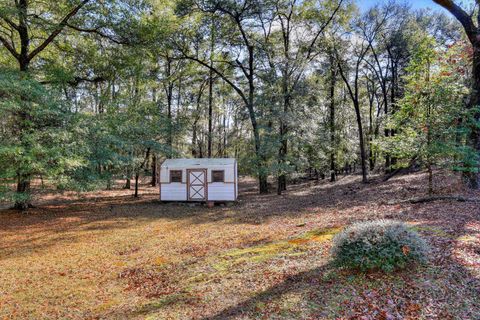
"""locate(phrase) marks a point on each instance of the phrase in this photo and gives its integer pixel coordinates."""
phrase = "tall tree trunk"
(194, 151)
(354, 96)
(333, 79)
(361, 142)
(393, 99)
(259, 153)
(23, 179)
(210, 114)
(154, 171)
(224, 133)
(169, 95)
(371, 156)
(137, 174)
(283, 131)
(195, 140)
(210, 91)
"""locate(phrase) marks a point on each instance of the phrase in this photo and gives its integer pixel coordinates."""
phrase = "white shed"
(198, 180)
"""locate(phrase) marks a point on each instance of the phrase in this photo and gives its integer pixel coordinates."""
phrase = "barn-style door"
(197, 184)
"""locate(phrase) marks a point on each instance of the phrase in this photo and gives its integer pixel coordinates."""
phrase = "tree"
(472, 30)
(239, 16)
(294, 57)
(22, 24)
(353, 86)
(46, 144)
(426, 121)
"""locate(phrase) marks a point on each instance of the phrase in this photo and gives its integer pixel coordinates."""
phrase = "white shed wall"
(221, 191)
(173, 192)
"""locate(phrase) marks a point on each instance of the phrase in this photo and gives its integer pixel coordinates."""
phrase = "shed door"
(197, 184)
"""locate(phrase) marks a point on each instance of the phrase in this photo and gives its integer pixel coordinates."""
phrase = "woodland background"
(96, 91)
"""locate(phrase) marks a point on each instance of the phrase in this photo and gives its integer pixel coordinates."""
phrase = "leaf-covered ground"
(106, 255)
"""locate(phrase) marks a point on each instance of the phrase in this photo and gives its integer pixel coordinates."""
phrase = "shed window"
(218, 176)
(175, 175)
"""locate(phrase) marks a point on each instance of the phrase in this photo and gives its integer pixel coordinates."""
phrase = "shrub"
(380, 244)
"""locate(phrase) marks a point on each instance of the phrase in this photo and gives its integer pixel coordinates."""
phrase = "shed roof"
(182, 163)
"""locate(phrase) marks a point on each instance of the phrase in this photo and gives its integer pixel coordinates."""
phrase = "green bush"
(381, 244)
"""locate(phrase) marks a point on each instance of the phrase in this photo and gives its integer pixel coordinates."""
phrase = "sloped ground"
(109, 256)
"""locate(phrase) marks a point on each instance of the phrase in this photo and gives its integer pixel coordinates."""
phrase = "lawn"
(107, 255)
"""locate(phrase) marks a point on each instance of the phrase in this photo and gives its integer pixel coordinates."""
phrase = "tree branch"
(224, 78)
(98, 32)
(9, 47)
(77, 80)
(461, 16)
(322, 28)
(10, 23)
(57, 30)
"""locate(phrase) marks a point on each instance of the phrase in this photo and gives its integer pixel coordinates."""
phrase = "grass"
(109, 256)
(284, 248)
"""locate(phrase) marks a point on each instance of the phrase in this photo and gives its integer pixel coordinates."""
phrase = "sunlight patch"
(263, 252)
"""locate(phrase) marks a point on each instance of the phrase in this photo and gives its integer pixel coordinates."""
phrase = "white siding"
(221, 191)
(173, 192)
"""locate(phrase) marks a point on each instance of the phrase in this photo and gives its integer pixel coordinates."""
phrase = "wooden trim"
(205, 184)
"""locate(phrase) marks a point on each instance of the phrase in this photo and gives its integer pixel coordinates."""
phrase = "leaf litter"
(265, 257)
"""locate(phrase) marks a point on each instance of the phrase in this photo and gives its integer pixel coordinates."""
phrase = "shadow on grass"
(443, 289)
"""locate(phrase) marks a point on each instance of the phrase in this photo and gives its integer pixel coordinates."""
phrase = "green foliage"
(432, 121)
(382, 244)
(37, 137)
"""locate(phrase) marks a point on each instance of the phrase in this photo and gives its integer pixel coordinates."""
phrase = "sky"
(416, 4)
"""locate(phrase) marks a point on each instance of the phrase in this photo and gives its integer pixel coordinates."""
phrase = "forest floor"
(107, 255)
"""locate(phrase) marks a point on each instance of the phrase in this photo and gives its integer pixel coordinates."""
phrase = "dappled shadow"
(452, 289)
(343, 202)
(308, 280)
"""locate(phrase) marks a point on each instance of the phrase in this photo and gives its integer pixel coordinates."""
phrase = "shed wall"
(173, 192)
(218, 191)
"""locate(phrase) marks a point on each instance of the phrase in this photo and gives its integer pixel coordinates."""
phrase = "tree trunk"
(169, 94)
(154, 171)
(333, 177)
(210, 114)
(210, 92)
(283, 150)
(361, 142)
(23, 180)
(261, 160)
(23, 190)
(137, 174)
(283, 127)
(224, 140)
